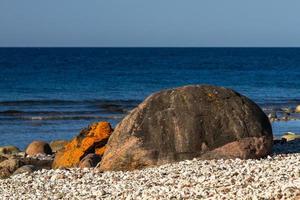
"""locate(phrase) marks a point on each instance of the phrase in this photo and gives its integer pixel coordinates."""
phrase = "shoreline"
(274, 177)
(23, 116)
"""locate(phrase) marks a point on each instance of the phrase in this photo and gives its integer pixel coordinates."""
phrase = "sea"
(52, 93)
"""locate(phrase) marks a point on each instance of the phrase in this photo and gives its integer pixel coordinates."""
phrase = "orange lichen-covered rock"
(100, 151)
(90, 140)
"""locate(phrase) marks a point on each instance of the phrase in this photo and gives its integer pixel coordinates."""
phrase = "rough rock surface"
(89, 161)
(13, 163)
(7, 167)
(2, 158)
(90, 140)
(9, 150)
(38, 147)
(58, 145)
(183, 123)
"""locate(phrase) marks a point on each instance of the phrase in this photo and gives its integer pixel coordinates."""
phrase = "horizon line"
(149, 47)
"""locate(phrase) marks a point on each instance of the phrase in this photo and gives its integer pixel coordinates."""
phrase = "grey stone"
(89, 161)
(25, 169)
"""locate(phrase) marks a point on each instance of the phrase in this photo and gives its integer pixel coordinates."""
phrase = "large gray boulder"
(183, 123)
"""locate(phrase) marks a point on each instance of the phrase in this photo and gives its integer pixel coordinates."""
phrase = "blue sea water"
(51, 93)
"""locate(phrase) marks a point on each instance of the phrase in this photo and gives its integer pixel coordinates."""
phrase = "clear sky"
(105, 23)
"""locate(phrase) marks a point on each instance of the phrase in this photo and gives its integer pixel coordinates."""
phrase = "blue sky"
(104, 23)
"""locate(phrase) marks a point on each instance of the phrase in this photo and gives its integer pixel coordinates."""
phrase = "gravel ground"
(276, 177)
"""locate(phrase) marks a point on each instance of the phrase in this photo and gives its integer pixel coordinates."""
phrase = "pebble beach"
(275, 177)
(63, 90)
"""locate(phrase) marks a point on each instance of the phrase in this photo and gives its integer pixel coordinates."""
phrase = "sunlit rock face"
(187, 122)
(90, 140)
